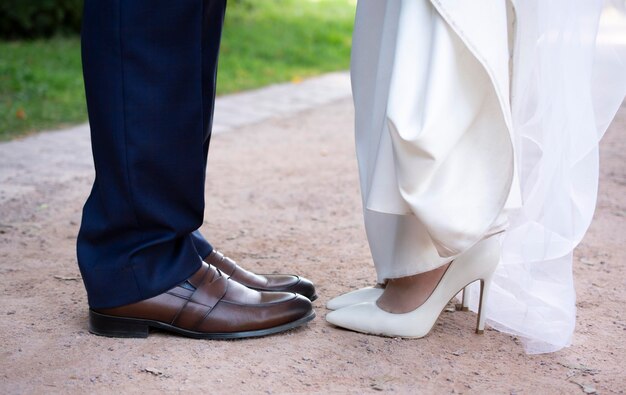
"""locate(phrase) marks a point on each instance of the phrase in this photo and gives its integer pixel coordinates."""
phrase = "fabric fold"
(445, 153)
(442, 143)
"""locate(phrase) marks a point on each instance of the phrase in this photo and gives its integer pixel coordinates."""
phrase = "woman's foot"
(417, 301)
(405, 294)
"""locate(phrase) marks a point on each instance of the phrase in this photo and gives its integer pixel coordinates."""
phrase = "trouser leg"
(149, 69)
(203, 247)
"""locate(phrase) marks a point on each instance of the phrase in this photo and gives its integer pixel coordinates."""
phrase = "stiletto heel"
(478, 263)
(464, 305)
(485, 285)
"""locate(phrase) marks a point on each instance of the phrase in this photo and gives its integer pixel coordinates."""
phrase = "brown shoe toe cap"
(300, 286)
(276, 309)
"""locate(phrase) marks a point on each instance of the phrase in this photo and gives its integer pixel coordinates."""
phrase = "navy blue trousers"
(149, 68)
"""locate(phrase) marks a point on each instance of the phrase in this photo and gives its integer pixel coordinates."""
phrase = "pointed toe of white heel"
(477, 264)
(368, 318)
(367, 294)
(362, 317)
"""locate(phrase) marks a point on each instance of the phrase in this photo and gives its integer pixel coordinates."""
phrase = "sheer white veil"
(568, 81)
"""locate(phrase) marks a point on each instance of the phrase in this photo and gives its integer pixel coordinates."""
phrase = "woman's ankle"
(406, 294)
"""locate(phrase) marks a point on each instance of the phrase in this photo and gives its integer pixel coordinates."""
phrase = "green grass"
(41, 85)
(283, 40)
(264, 42)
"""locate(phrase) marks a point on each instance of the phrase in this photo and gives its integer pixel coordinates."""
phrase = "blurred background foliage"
(264, 42)
(39, 18)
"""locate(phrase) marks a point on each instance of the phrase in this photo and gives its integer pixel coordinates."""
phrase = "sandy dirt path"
(282, 195)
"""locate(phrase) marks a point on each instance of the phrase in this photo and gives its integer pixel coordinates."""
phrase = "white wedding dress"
(477, 116)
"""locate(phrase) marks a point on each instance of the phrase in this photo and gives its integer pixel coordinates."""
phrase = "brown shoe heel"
(105, 325)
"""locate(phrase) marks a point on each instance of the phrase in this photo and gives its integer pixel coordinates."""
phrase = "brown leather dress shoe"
(262, 282)
(208, 305)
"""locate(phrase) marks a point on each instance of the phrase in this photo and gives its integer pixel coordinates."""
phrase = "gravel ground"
(282, 196)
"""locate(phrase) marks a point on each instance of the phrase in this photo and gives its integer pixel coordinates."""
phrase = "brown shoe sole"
(111, 326)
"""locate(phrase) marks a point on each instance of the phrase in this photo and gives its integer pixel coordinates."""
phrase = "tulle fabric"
(568, 80)
(565, 90)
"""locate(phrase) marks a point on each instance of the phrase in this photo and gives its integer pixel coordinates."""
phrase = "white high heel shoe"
(479, 263)
(371, 294)
(367, 294)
